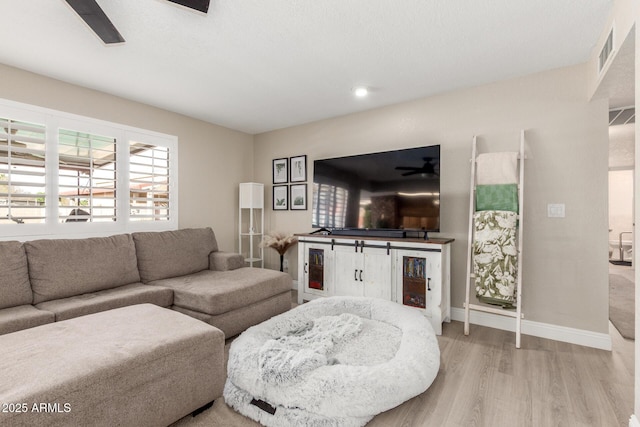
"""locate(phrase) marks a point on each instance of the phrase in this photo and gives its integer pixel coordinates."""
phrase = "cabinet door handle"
(355, 274)
(305, 267)
(429, 283)
(361, 275)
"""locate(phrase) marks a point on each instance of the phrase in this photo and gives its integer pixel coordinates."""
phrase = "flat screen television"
(391, 193)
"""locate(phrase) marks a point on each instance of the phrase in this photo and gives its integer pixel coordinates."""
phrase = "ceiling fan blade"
(94, 16)
(199, 5)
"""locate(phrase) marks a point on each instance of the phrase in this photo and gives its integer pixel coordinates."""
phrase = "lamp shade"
(251, 195)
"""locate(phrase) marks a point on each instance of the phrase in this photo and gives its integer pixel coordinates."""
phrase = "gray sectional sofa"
(99, 309)
(43, 281)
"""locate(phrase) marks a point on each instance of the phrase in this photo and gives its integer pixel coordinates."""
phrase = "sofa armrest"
(222, 261)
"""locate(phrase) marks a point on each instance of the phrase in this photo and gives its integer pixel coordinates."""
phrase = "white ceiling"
(259, 65)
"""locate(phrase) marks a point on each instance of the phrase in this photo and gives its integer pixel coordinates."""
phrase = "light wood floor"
(485, 381)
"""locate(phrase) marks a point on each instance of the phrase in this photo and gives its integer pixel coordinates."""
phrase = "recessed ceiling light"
(360, 91)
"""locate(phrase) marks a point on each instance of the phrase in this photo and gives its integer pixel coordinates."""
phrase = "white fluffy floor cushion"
(335, 361)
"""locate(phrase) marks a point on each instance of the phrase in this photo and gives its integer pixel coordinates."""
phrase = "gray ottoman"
(140, 365)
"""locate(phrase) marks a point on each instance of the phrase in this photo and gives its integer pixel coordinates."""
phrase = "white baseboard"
(633, 421)
(537, 329)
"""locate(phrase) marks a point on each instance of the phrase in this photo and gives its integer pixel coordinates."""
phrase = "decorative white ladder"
(517, 314)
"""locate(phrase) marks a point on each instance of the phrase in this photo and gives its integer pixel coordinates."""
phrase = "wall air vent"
(606, 51)
(622, 116)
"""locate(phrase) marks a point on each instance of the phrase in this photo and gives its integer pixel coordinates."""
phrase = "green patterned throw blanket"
(495, 257)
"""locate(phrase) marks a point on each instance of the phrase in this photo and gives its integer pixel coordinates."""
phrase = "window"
(148, 182)
(86, 177)
(22, 172)
(65, 174)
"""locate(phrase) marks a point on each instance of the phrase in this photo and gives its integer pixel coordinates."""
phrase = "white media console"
(413, 272)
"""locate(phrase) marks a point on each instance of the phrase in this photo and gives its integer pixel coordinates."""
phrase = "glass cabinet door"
(418, 281)
(316, 269)
(414, 281)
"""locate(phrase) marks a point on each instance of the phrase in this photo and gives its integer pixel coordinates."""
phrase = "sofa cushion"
(13, 319)
(217, 292)
(135, 293)
(62, 268)
(173, 253)
(221, 261)
(237, 321)
(15, 288)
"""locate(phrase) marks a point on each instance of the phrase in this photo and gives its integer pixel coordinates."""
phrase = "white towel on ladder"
(497, 168)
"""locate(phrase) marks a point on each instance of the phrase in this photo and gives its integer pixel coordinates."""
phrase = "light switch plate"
(555, 210)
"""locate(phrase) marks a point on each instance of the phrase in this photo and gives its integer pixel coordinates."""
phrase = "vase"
(281, 262)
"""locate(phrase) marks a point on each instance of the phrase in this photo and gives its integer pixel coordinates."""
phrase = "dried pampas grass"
(279, 241)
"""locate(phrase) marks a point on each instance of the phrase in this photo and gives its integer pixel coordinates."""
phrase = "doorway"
(621, 187)
(621, 221)
(621, 216)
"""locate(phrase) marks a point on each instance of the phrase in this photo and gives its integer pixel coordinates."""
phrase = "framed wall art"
(298, 168)
(280, 197)
(280, 171)
(298, 197)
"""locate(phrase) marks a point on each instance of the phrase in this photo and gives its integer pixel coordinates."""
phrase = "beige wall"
(565, 260)
(212, 160)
